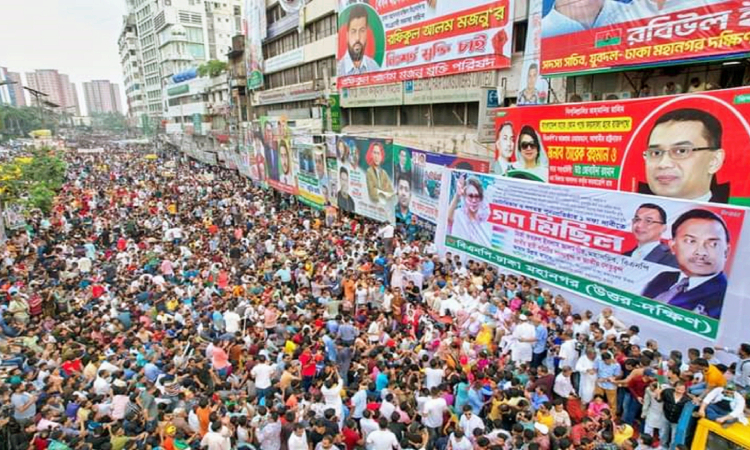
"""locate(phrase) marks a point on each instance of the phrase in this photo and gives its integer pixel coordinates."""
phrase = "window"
(197, 50)
(415, 115)
(385, 115)
(306, 72)
(519, 35)
(275, 80)
(450, 114)
(472, 114)
(361, 116)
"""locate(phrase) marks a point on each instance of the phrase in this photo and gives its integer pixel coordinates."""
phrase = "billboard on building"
(585, 35)
(532, 89)
(332, 169)
(255, 32)
(665, 259)
(312, 176)
(418, 176)
(689, 146)
(278, 154)
(390, 41)
(365, 177)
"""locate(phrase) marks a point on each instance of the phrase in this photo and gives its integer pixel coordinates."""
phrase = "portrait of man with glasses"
(684, 154)
(648, 226)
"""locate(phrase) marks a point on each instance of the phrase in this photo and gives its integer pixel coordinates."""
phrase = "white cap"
(542, 428)
(523, 317)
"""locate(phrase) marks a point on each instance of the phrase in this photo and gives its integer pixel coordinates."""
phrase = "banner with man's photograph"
(668, 260)
(418, 176)
(383, 42)
(689, 146)
(595, 35)
(278, 154)
(312, 181)
(365, 177)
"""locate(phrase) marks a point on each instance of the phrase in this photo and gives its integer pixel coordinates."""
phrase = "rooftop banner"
(688, 146)
(592, 35)
(390, 41)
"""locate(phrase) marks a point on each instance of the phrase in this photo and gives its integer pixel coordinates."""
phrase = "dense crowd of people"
(159, 308)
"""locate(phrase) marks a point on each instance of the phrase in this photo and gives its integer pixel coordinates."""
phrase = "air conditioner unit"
(625, 95)
(319, 84)
(585, 97)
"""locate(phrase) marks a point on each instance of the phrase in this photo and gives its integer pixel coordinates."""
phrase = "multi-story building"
(58, 88)
(300, 61)
(16, 89)
(174, 36)
(300, 71)
(132, 71)
(102, 97)
(5, 96)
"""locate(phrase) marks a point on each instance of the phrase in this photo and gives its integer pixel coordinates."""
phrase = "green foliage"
(33, 181)
(19, 121)
(212, 68)
(113, 122)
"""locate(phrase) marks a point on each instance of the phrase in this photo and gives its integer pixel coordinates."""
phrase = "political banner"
(365, 177)
(255, 32)
(668, 260)
(418, 176)
(532, 89)
(330, 192)
(594, 35)
(387, 42)
(312, 181)
(688, 146)
(279, 157)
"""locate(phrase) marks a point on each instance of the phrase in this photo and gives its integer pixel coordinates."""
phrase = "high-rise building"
(16, 89)
(5, 98)
(102, 97)
(166, 37)
(58, 88)
(132, 71)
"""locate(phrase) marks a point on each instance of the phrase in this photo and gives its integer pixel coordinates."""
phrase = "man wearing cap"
(724, 405)
(525, 336)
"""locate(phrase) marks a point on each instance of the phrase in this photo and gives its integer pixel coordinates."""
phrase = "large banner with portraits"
(278, 154)
(391, 41)
(532, 89)
(365, 177)
(669, 260)
(312, 180)
(689, 146)
(418, 177)
(583, 35)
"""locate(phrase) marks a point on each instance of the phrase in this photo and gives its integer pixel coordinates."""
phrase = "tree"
(213, 68)
(32, 181)
(113, 122)
(19, 121)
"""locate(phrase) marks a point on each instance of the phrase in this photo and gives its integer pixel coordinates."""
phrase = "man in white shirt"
(215, 439)
(101, 384)
(568, 354)
(469, 421)
(298, 439)
(432, 412)
(383, 438)
(433, 375)
(262, 373)
(724, 405)
(232, 321)
(563, 385)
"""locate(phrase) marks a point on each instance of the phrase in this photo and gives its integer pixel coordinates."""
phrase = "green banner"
(334, 104)
(677, 317)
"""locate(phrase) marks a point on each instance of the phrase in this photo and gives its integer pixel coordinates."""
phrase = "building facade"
(171, 37)
(132, 72)
(102, 97)
(58, 88)
(16, 89)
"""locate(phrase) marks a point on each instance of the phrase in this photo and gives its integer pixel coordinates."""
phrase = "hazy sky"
(76, 37)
